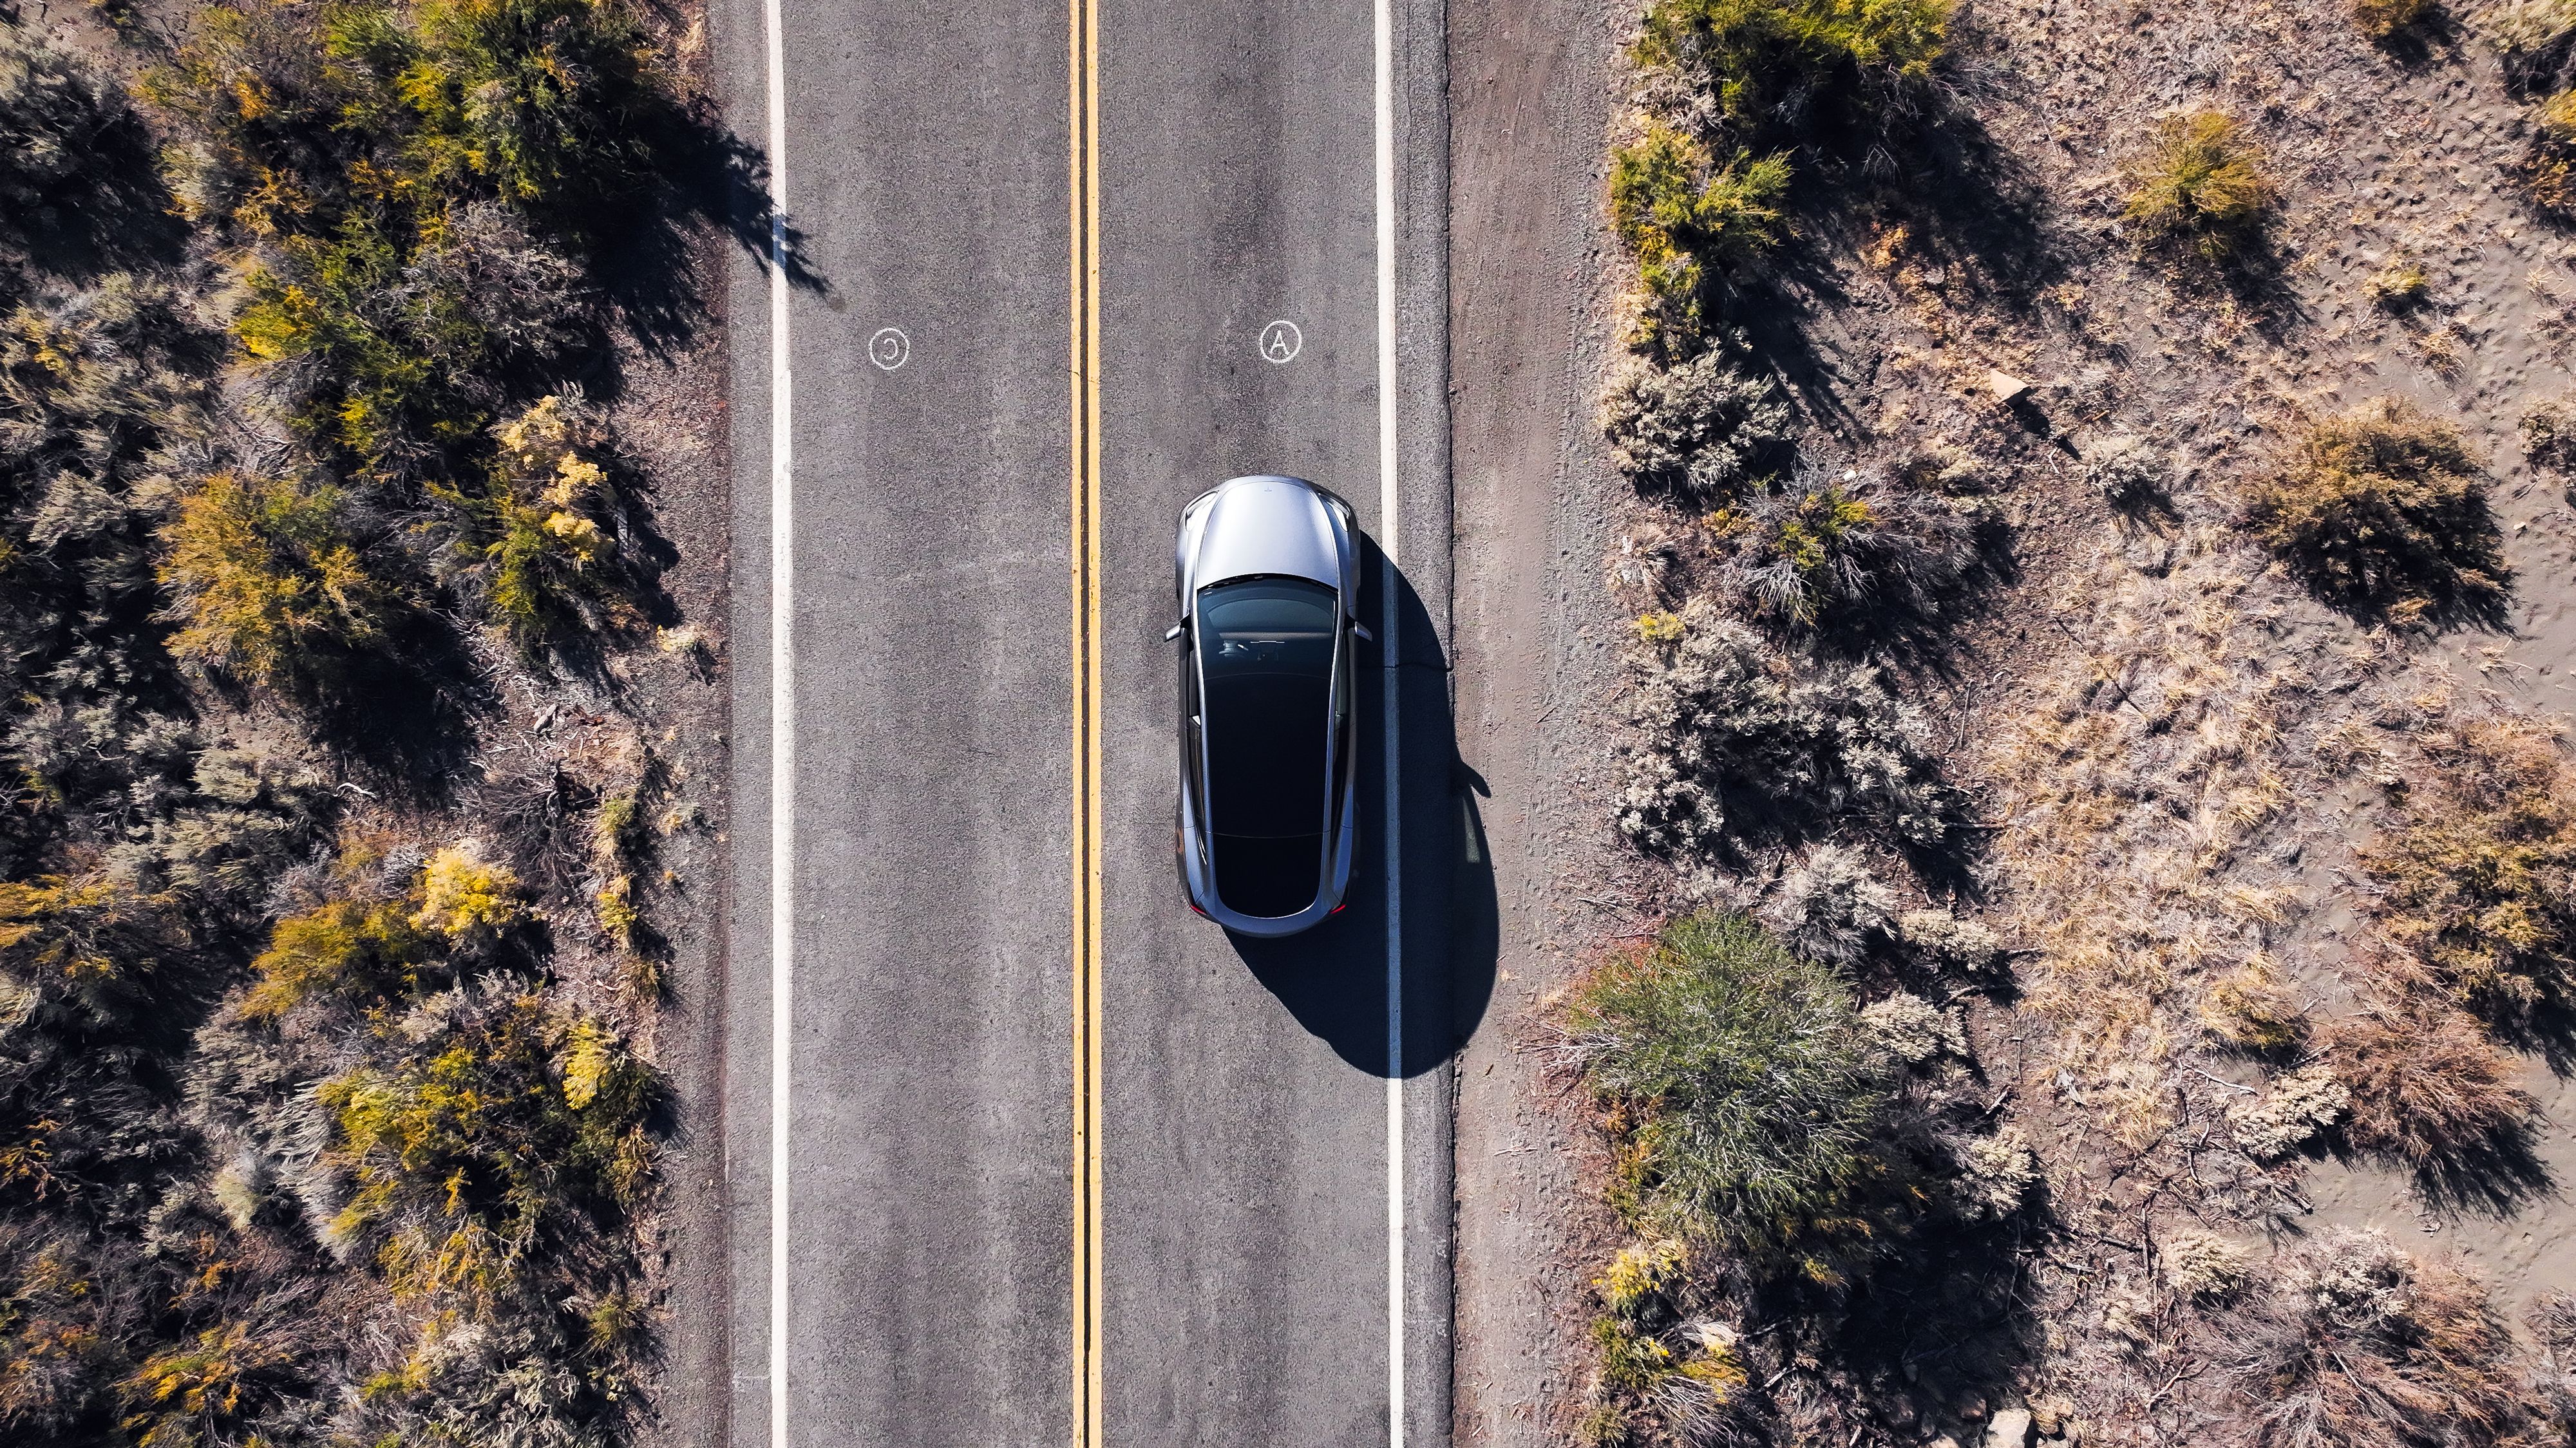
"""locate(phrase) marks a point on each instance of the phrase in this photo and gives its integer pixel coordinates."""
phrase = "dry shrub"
(2200, 187)
(2427, 1087)
(2248, 1009)
(2360, 1344)
(2202, 1265)
(2549, 437)
(2381, 19)
(2384, 512)
(2547, 169)
(1831, 905)
(2300, 1106)
(2478, 880)
(2400, 286)
(1851, 555)
(1733, 742)
(1693, 430)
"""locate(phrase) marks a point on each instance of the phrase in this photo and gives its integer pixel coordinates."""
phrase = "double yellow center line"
(1083, 115)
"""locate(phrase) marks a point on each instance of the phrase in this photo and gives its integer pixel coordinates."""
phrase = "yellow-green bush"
(518, 1124)
(2200, 185)
(1753, 53)
(464, 897)
(268, 584)
(203, 1394)
(1678, 210)
(342, 948)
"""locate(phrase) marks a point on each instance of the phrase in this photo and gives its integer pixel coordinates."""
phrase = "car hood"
(1264, 525)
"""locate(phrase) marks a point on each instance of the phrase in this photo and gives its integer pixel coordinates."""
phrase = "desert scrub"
(1745, 1101)
(2357, 1343)
(1733, 743)
(1654, 1365)
(1775, 67)
(2200, 186)
(1678, 211)
(1818, 554)
(2477, 880)
(2382, 19)
(545, 546)
(55, 116)
(2547, 169)
(497, 1166)
(267, 583)
(1695, 430)
(2383, 512)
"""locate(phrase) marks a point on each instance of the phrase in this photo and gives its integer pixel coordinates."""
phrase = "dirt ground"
(1998, 245)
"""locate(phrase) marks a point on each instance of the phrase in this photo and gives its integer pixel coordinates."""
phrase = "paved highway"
(1019, 1150)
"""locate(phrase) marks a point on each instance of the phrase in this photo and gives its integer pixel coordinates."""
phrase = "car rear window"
(1266, 656)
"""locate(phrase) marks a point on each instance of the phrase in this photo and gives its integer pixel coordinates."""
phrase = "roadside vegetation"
(2090, 751)
(327, 1113)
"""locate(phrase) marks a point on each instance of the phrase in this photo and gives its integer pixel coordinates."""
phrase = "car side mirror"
(1174, 631)
(1362, 630)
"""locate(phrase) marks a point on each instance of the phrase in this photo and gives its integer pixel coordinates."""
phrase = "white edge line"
(1390, 524)
(782, 727)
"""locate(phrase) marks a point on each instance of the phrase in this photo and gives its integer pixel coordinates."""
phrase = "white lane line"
(782, 727)
(1390, 525)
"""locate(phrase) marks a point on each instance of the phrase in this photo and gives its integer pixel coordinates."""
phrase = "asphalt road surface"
(929, 462)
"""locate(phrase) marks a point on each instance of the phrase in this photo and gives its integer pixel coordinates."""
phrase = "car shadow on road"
(1334, 978)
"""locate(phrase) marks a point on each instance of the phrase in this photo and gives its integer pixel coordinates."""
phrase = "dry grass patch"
(2478, 878)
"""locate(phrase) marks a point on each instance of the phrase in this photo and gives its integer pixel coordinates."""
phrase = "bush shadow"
(1334, 979)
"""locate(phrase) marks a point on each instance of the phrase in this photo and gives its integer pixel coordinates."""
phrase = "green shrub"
(1747, 1105)
(1757, 55)
(2384, 511)
(1678, 211)
(267, 583)
(2201, 185)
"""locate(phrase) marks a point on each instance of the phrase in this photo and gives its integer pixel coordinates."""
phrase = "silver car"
(1266, 587)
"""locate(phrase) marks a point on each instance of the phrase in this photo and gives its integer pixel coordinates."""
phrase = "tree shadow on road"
(1334, 978)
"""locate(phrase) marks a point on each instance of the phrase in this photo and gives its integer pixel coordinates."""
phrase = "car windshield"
(1266, 656)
